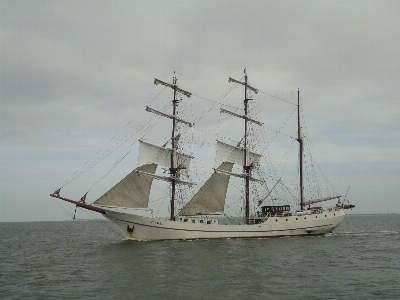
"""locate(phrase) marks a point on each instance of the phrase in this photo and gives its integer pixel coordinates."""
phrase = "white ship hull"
(145, 228)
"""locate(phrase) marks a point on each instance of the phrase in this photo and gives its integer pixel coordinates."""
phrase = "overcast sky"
(74, 73)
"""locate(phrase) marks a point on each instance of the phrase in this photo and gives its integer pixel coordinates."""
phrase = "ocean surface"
(89, 260)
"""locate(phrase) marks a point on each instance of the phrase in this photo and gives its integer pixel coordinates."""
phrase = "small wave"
(354, 233)
(363, 233)
(330, 234)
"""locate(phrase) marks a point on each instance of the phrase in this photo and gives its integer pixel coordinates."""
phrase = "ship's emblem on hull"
(129, 229)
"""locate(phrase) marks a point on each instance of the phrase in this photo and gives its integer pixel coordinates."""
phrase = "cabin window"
(297, 218)
(208, 222)
(193, 221)
(185, 220)
(201, 221)
(325, 216)
(316, 216)
(286, 219)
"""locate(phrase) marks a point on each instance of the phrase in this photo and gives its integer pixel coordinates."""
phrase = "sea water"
(90, 260)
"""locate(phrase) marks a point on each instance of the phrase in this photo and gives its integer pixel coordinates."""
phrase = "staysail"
(133, 191)
(210, 198)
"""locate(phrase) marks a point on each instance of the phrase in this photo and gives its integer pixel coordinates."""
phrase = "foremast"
(174, 167)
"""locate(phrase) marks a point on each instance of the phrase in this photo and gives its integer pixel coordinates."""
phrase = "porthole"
(297, 218)
(305, 218)
(325, 216)
(334, 214)
(276, 220)
(286, 219)
(316, 216)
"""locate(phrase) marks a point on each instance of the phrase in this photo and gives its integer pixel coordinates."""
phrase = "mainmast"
(246, 168)
(300, 140)
(174, 168)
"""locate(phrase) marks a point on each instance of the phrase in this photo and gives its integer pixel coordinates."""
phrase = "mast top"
(243, 83)
(173, 86)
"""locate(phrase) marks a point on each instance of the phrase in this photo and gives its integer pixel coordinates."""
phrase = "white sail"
(210, 198)
(228, 153)
(133, 191)
(149, 153)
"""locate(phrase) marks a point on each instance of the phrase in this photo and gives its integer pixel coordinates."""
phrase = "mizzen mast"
(303, 203)
(174, 168)
(300, 140)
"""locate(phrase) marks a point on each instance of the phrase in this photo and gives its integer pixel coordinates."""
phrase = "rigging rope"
(115, 164)
(64, 209)
(147, 125)
(77, 174)
(104, 222)
(272, 96)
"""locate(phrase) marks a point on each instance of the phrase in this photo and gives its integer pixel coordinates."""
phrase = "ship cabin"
(275, 211)
(270, 211)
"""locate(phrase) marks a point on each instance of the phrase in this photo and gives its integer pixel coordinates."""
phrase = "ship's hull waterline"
(144, 228)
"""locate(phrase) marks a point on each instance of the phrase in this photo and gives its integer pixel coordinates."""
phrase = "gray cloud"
(74, 73)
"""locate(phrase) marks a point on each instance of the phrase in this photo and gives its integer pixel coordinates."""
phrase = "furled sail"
(210, 198)
(162, 156)
(228, 153)
(133, 191)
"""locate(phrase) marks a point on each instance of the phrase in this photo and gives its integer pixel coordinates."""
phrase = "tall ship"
(204, 214)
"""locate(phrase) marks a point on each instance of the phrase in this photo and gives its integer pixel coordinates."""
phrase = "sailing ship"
(199, 217)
